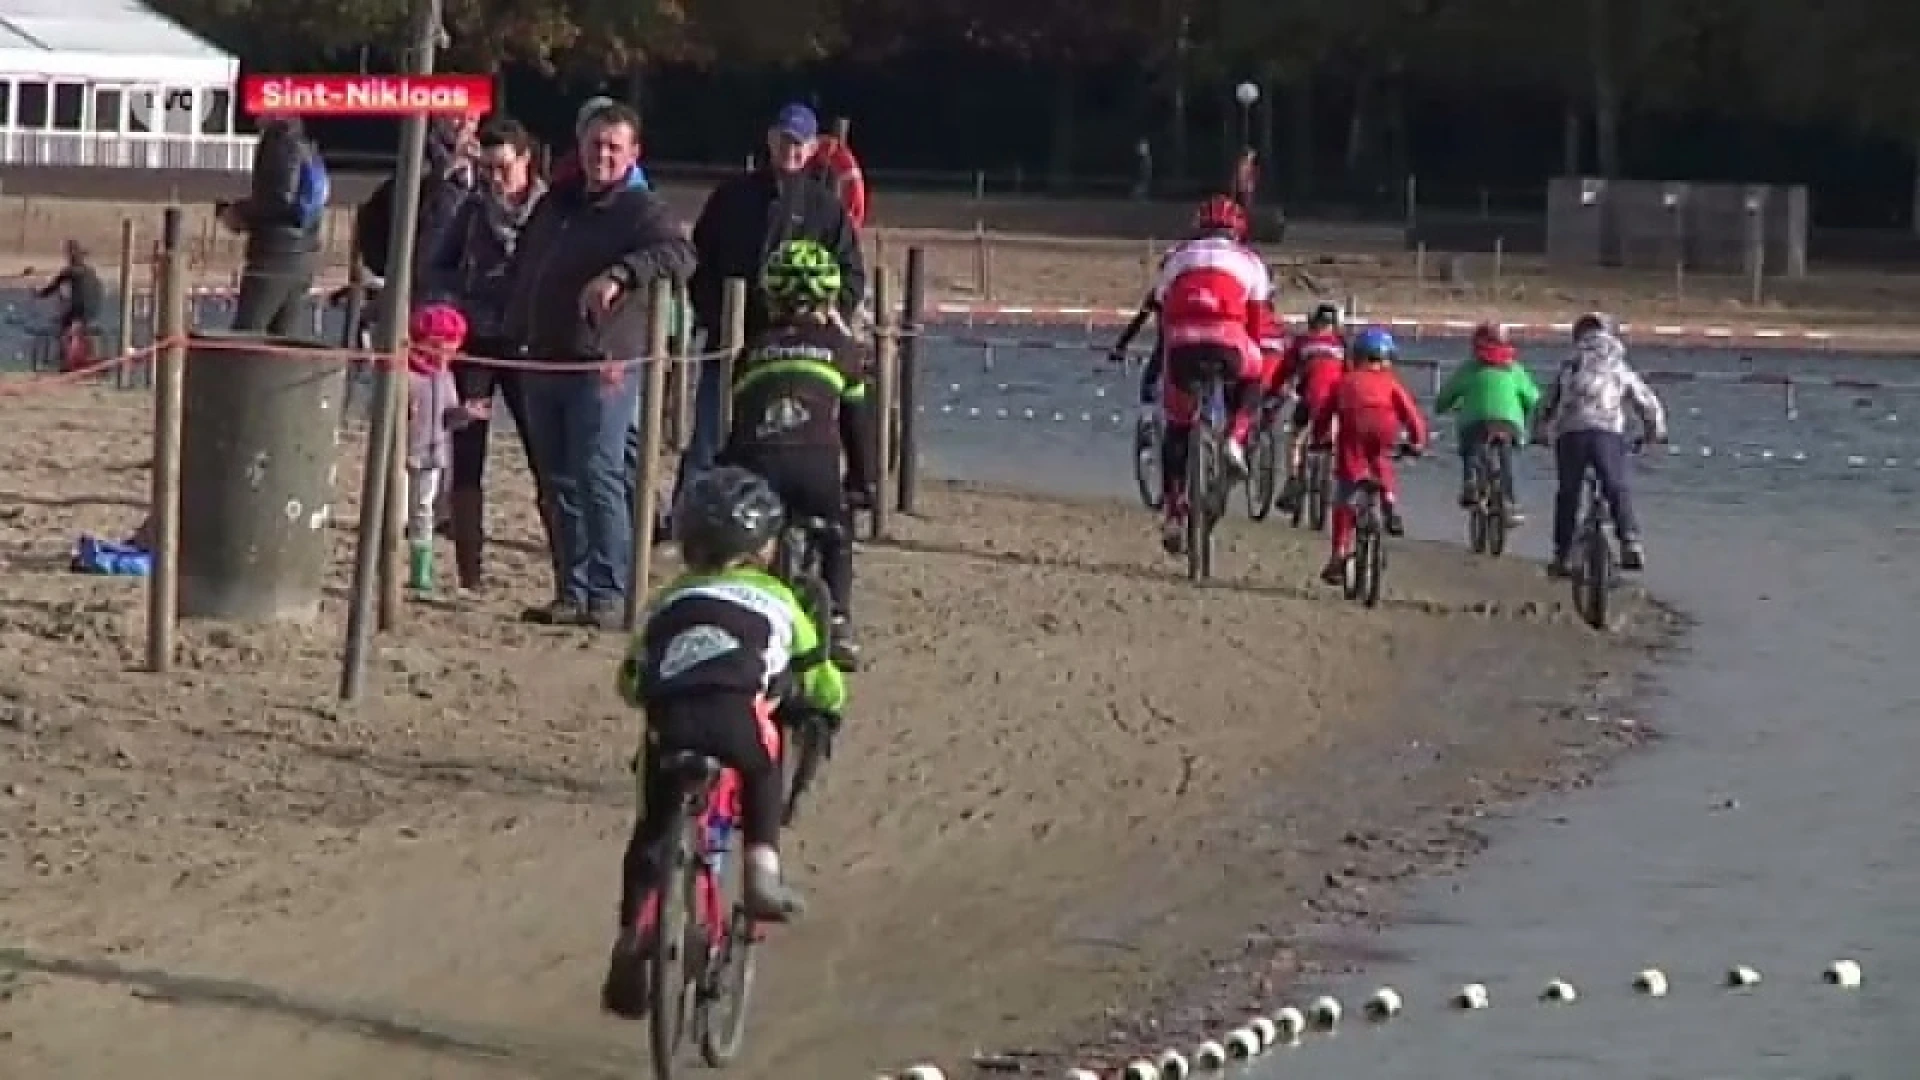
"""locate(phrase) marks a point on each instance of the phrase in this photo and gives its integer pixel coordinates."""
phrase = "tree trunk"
(1914, 224)
(1060, 149)
(1357, 123)
(1268, 122)
(1300, 136)
(1178, 148)
(1606, 123)
(1571, 159)
(1399, 154)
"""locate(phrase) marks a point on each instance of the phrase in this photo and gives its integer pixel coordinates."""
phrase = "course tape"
(1736, 378)
(1416, 328)
(1289, 1026)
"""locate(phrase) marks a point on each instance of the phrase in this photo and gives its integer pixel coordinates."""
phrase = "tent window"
(219, 109)
(6, 103)
(69, 107)
(106, 109)
(35, 100)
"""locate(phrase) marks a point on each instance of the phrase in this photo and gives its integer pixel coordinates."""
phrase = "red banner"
(366, 95)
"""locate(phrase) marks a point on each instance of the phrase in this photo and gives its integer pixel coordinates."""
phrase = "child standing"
(434, 410)
(1372, 410)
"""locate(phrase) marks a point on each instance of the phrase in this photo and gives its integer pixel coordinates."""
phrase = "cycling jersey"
(791, 389)
(1314, 359)
(736, 632)
(1373, 409)
(1215, 291)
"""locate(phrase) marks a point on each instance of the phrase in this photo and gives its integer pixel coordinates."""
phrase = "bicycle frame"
(718, 811)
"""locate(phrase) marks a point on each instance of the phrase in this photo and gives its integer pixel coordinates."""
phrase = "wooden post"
(646, 482)
(387, 420)
(912, 319)
(123, 345)
(170, 304)
(982, 262)
(733, 338)
(885, 341)
(393, 546)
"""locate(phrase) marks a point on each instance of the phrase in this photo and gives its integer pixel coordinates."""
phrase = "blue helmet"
(1374, 343)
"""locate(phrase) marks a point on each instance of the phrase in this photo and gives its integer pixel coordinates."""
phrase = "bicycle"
(1594, 564)
(687, 918)
(1366, 567)
(1488, 514)
(1264, 456)
(1148, 434)
(1316, 486)
(1206, 466)
(797, 562)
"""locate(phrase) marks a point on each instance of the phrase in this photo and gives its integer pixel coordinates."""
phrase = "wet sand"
(1079, 802)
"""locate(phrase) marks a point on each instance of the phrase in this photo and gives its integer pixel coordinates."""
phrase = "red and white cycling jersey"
(1215, 291)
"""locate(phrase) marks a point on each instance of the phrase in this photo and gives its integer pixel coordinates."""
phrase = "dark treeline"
(1480, 99)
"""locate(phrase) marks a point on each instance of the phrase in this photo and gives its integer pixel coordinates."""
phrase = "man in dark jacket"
(446, 179)
(579, 282)
(283, 248)
(746, 219)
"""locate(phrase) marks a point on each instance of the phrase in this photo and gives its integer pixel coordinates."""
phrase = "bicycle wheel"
(1477, 528)
(1496, 523)
(1374, 555)
(1202, 473)
(800, 759)
(1591, 582)
(1146, 463)
(1354, 585)
(1263, 472)
(1319, 490)
(726, 991)
(672, 926)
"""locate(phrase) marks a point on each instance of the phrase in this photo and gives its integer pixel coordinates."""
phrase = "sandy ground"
(1079, 803)
(1037, 252)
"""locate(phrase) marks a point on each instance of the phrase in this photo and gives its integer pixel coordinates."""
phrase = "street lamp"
(1248, 95)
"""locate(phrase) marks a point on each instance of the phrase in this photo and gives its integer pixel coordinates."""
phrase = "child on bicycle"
(1372, 410)
(799, 404)
(1313, 363)
(1495, 397)
(1585, 414)
(723, 646)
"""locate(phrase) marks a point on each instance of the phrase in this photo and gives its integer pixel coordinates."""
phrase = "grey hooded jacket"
(1594, 390)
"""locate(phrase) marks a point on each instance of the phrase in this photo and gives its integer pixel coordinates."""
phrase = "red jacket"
(1373, 409)
(845, 170)
(1317, 346)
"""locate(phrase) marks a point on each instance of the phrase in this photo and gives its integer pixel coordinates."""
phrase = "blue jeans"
(709, 416)
(580, 426)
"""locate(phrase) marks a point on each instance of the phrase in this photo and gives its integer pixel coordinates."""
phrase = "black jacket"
(443, 187)
(573, 237)
(271, 210)
(748, 217)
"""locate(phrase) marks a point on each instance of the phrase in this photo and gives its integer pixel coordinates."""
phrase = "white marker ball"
(1173, 1065)
(1082, 1074)
(923, 1072)
(1140, 1070)
(1266, 1030)
(1385, 1004)
(1651, 982)
(1843, 973)
(1209, 1055)
(1470, 996)
(1325, 1012)
(1242, 1043)
(1291, 1024)
(1742, 977)
(1559, 992)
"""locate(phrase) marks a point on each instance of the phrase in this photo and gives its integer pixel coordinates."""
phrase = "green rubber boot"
(420, 569)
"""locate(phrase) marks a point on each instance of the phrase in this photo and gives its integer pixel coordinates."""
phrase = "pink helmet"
(441, 324)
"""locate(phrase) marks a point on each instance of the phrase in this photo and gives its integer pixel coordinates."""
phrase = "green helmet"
(802, 274)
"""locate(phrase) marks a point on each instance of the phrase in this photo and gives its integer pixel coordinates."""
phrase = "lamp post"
(1248, 95)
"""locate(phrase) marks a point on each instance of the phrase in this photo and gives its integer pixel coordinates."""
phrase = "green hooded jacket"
(1480, 392)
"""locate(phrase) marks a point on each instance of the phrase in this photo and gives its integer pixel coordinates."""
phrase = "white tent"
(99, 41)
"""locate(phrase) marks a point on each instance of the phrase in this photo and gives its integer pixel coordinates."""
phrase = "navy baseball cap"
(798, 121)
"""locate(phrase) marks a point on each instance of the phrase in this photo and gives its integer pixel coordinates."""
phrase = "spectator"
(446, 178)
(836, 156)
(83, 300)
(470, 264)
(281, 215)
(577, 291)
(568, 167)
(1246, 179)
(747, 218)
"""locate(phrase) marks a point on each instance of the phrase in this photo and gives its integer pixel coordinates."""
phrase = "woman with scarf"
(469, 266)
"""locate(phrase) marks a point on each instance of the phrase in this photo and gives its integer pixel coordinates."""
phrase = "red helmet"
(1491, 345)
(1221, 214)
(441, 324)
